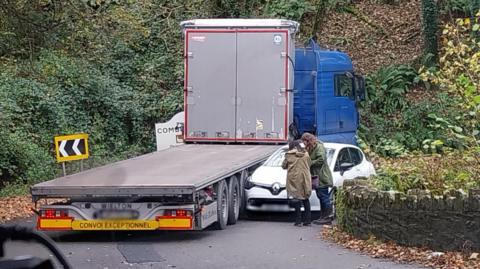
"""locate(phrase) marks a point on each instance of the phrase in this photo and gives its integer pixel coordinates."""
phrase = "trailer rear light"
(53, 214)
(177, 213)
(180, 219)
(181, 213)
(48, 214)
(54, 219)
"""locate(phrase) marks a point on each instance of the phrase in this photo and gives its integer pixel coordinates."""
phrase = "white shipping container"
(238, 79)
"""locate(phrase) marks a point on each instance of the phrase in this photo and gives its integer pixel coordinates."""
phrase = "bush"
(21, 160)
(460, 8)
(459, 75)
(67, 96)
(396, 120)
(111, 69)
(293, 9)
(453, 170)
(388, 179)
(387, 88)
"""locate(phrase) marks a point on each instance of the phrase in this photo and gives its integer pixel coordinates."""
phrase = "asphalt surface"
(268, 241)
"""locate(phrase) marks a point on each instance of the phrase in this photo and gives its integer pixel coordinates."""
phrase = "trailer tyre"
(243, 202)
(222, 205)
(234, 200)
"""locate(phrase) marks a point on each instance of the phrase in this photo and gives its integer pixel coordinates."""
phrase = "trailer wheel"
(222, 205)
(234, 200)
(243, 204)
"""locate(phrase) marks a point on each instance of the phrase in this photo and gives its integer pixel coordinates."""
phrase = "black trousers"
(307, 216)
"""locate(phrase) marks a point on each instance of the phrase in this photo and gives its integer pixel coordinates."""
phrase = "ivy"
(343, 211)
(430, 29)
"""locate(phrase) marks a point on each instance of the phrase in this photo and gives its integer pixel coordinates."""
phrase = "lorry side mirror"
(360, 88)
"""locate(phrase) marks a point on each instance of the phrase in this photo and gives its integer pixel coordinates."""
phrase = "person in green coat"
(319, 167)
(299, 180)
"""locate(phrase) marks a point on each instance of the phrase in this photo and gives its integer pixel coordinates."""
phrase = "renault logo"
(275, 188)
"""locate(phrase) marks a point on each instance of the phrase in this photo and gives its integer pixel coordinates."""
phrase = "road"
(269, 241)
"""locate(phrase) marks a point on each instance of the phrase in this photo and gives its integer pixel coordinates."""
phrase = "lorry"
(327, 92)
(239, 96)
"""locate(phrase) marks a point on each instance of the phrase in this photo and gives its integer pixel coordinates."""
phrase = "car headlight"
(249, 184)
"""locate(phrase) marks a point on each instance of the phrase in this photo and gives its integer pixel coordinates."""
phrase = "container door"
(210, 86)
(262, 85)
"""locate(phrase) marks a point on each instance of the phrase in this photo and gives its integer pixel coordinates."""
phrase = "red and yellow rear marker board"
(71, 147)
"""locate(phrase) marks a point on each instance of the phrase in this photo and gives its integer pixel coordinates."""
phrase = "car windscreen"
(277, 158)
(330, 153)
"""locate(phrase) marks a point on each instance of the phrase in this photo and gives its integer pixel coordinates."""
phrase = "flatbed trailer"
(186, 187)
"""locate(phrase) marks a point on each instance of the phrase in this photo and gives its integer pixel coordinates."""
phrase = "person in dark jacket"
(299, 180)
(319, 167)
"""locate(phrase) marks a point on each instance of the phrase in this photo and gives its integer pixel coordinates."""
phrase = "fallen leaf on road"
(402, 254)
(16, 207)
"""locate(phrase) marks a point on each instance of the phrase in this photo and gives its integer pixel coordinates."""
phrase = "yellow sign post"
(71, 147)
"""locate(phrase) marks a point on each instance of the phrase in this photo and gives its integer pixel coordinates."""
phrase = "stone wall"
(448, 222)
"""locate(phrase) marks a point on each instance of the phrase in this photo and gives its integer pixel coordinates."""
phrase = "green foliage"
(67, 96)
(430, 29)
(396, 120)
(462, 8)
(235, 9)
(391, 148)
(412, 128)
(452, 170)
(291, 9)
(111, 69)
(342, 211)
(458, 74)
(14, 189)
(387, 88)
(21, 158)
(389, 179)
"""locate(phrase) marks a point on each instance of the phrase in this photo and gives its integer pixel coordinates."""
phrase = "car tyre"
(222, 205)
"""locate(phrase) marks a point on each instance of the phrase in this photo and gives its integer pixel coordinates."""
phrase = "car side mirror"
(345, 167)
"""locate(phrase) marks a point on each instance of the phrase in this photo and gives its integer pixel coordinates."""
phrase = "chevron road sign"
(71, 147)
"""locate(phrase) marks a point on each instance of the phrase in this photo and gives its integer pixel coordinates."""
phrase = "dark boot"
(329, 213)
(324, 221)
(322, 215)
(298, 213)
(307, 213)
(325, 217)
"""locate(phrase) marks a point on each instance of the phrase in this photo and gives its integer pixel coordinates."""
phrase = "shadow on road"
(274, 217)
(125, 236)
(162, 236)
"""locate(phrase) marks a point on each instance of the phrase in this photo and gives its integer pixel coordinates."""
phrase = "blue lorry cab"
(326, 92)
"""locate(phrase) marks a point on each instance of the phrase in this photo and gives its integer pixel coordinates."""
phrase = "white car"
(265, 189)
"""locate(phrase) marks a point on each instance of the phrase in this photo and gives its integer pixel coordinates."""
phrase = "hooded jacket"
(299, 180)
(319, 166)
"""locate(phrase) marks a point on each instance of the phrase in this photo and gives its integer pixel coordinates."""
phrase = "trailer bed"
(175, 171)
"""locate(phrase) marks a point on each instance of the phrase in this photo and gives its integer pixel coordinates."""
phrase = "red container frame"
(185, 85)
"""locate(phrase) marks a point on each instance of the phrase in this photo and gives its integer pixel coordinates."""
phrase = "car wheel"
(222, 205)
(234, 200)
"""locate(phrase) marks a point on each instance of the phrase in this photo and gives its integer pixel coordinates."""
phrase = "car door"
(361, 168)
(343, 156)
